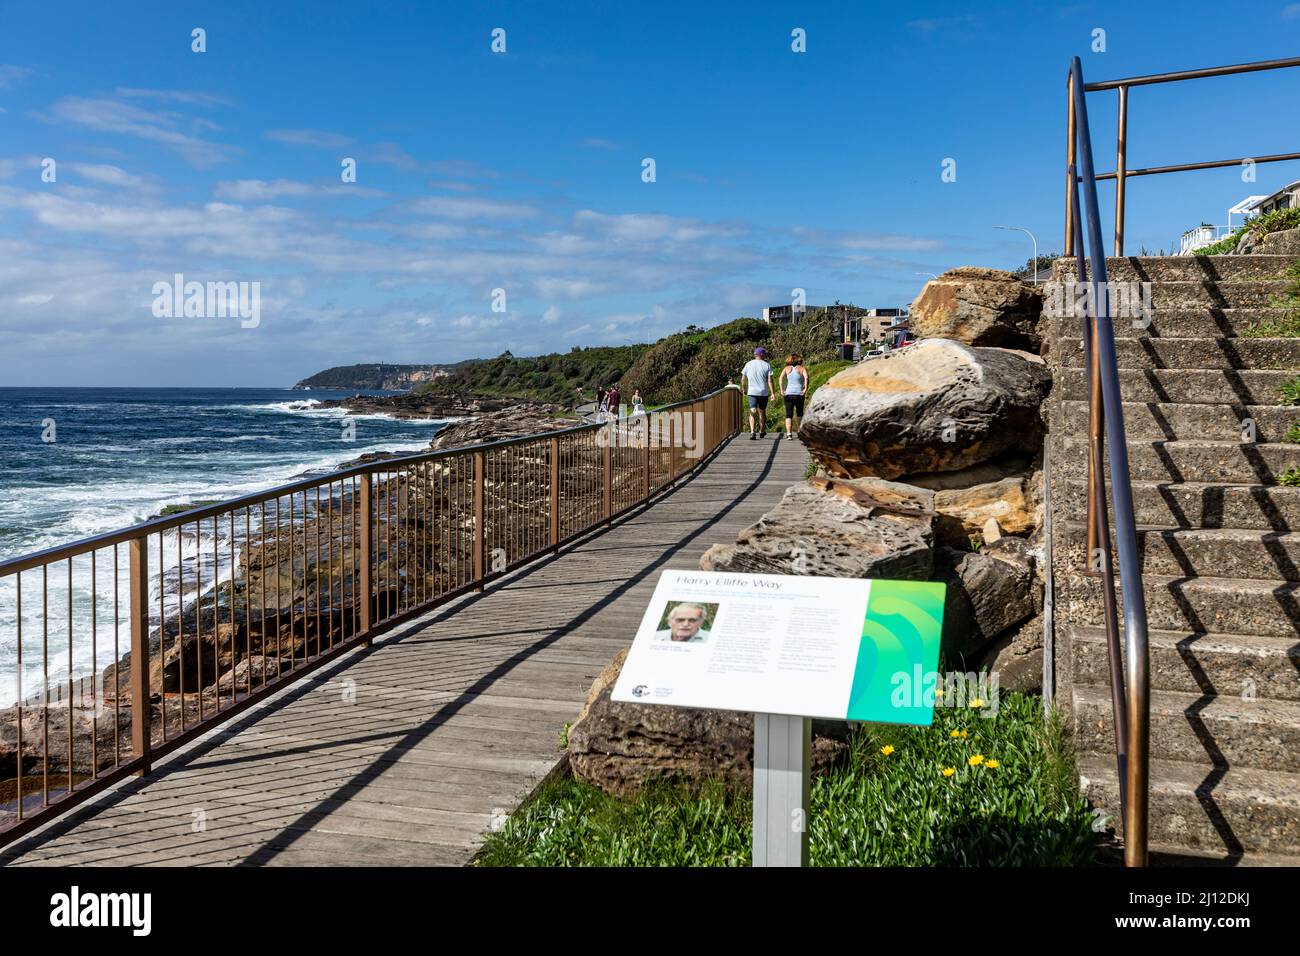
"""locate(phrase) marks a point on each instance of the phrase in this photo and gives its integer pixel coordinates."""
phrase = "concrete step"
(1238, 665)
(1235, 812)
(1174, 323)
(1202, 604)
(1061, 298)
(1204, 730)
(1192, 552)
(1172, 422)
(1164, 268)
(1203, 353)
(1194, 386)
(1199, 504)
(1215, 461)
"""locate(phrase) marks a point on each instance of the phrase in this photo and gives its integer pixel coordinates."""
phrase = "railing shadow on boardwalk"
(324, 805)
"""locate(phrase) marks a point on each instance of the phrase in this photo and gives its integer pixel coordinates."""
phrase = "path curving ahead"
(405, 753)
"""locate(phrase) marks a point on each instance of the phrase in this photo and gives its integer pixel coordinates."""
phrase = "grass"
(1290, 477)
(1288, 324)
(888, 804)
(1293, 434)
(1291, 391)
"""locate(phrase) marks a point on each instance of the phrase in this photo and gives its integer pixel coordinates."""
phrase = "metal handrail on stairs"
(1122, 173)
(1130, 685)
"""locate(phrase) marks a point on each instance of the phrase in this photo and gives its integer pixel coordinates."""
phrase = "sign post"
(782, 753)
(787, 648)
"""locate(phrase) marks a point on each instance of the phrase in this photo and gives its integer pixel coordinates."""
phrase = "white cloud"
(10, 75)
(644, 227)
(187, 97)
(308, 137)
(453, 207)
(260, 190)
(1291, 11)
(106, 174)
(108, 115)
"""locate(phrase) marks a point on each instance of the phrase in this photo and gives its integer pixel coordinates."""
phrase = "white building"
(1288, 197)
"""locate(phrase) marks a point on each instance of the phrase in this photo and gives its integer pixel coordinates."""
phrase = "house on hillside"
(786, 314)
(870, 325)
(1288, 197)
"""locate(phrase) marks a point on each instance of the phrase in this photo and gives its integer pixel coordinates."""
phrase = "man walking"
(756, 379)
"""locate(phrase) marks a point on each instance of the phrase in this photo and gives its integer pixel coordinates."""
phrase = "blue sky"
(522, 171)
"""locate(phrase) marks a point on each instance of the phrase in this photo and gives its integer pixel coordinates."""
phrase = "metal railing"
(1130, 684)
(159, 631)
(1122, 173)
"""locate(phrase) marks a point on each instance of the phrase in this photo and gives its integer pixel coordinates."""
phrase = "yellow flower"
(949, 771)
(938, 693)
(991, 764)
(955, 734)
(977, 702)
(976, 760)
(887, 749)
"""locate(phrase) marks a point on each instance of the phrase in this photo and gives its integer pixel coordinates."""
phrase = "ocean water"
(118, 456)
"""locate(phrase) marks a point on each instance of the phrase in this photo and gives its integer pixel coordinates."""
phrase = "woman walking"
(794, 385)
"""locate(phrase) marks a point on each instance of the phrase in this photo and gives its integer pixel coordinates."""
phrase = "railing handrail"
(387, 542)
(1106, 370)
(1175, 77)
(34, 559)
(1121, 174)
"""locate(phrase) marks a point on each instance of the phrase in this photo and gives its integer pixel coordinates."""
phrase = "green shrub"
(1291, 391)
(1269, 222)
(888, 804)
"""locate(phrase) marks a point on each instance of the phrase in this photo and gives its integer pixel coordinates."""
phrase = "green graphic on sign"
(900, 636)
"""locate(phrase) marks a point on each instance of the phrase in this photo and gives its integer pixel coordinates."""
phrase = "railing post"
(645, 457)
(607, 470)
(480, 467)
(674, 433)
(1071, 145)
(366, 558)
(141, 736)
(1121, 164)
(554, 489)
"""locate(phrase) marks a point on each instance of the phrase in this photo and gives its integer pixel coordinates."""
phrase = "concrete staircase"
(1221, 561)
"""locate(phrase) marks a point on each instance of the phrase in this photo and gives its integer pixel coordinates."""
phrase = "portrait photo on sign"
(686, 622)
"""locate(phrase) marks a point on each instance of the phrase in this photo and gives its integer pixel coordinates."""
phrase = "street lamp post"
(1035, 241)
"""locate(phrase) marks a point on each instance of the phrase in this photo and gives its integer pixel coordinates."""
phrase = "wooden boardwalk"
(406, 753)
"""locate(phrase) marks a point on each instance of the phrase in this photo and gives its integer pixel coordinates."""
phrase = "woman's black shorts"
(793, 405)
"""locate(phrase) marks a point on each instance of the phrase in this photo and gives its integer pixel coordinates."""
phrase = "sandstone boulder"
(1017, 657)
(622, 747)
(837, 528)
(935, 406)
(979, 307)
(989, 591)
(1008, 502)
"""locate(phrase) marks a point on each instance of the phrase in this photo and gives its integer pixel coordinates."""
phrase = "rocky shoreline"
(428, 405)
